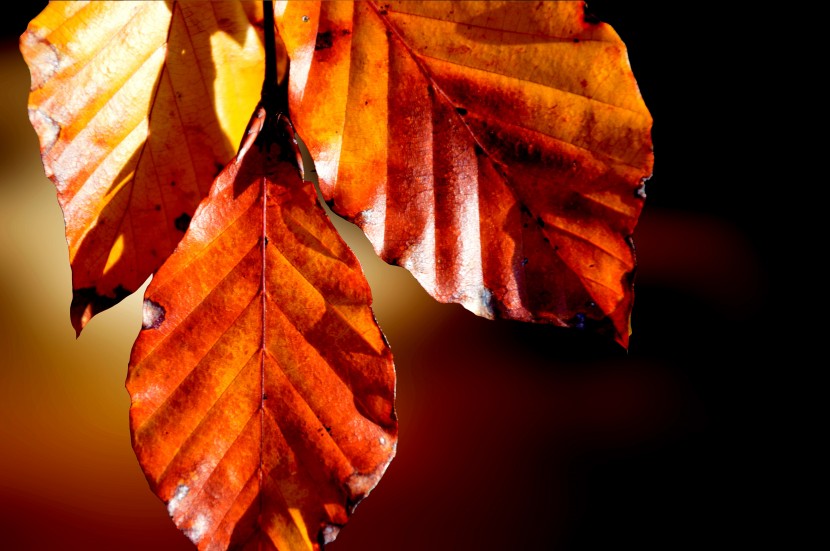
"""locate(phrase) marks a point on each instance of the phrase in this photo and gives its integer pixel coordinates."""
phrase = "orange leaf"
(136, 105)
(497, 150)
(262, 389)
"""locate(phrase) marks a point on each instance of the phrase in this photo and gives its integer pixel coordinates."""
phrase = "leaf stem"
(271, 92)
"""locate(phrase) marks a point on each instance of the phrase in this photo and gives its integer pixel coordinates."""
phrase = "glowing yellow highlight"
(297, 517)
(115, 253)
(239, 69)
(117, 187)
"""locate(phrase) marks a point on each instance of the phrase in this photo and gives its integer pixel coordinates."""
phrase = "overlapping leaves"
(497, 150)
(138, 106)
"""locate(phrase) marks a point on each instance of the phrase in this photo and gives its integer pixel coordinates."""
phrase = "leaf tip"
(87, 302)
(360, 484)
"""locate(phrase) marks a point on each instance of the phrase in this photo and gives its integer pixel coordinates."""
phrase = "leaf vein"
(161, 341)
(184, 445)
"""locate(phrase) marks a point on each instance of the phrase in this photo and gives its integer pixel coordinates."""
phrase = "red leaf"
(262, 389)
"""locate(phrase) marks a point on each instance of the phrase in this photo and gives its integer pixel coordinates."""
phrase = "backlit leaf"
(262, 389)
(137, 105)
(497, 150)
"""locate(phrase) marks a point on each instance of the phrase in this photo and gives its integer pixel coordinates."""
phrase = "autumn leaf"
(262, 389)
(497, 150)
(137, 105)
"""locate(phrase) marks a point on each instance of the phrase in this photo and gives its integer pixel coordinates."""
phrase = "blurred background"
(512, 436)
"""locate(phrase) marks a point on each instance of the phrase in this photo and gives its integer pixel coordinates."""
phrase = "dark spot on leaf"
(264, 396)
(219, 167)
(584, 83)
(524, 209)
(524, 261)
(324, 41)
(477, 148)
(172, 183)
(576, 41)
(157, 207)
(182, 222)
(266, 240)
(540, 221)
(345, 32)
(461, 111)
(152, 315)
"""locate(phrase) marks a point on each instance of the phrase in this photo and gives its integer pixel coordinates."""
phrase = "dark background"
(512, 436)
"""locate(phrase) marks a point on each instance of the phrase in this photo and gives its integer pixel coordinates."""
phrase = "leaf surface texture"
(137, 105)
(262, 388)
(497, 150)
